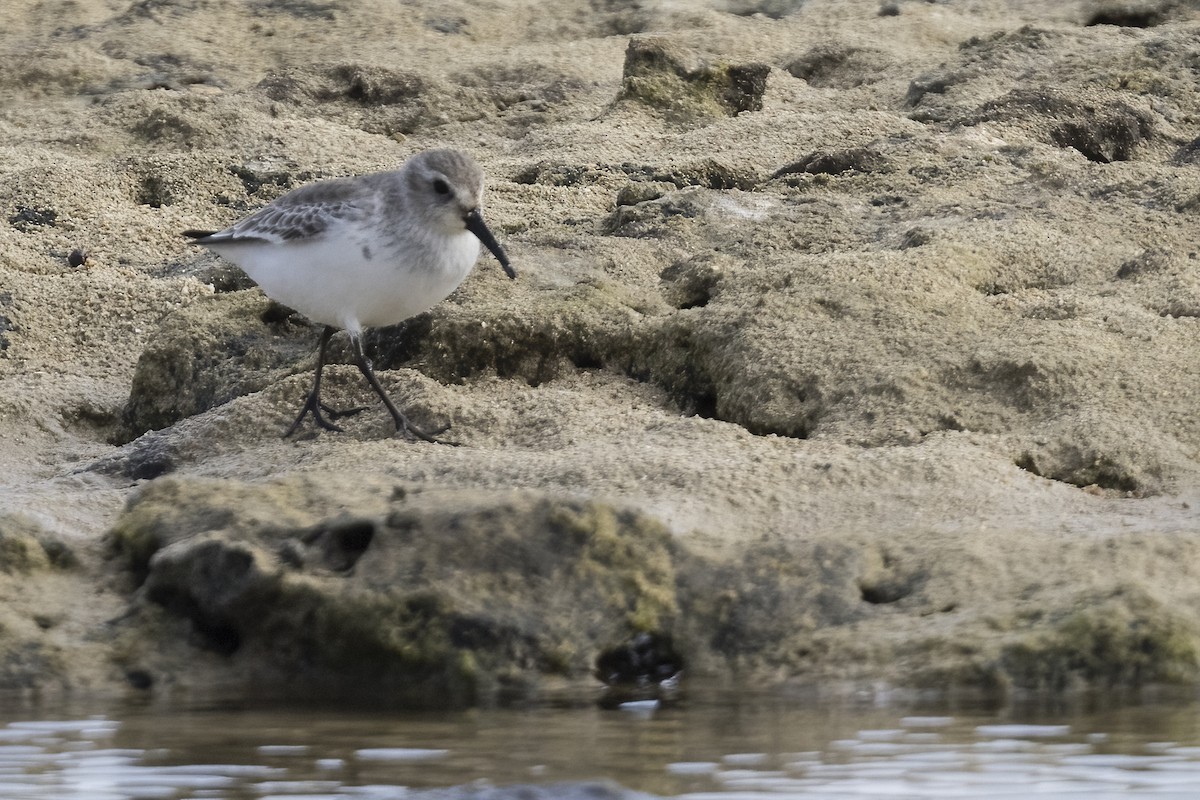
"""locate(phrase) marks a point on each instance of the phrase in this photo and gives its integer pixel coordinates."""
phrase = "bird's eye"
(440, 186)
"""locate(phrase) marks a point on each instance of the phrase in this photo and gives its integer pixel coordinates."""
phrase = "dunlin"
(366, 251)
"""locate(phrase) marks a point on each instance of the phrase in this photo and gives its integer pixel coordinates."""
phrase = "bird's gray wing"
(305, 213)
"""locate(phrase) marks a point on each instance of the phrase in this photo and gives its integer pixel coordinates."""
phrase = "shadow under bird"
(364, 252)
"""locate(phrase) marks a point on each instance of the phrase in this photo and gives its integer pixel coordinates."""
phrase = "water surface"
(722, 748)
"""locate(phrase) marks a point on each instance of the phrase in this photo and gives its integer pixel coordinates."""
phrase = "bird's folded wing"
(279, 223)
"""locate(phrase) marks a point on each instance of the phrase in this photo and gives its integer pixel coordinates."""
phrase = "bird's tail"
(198, 234)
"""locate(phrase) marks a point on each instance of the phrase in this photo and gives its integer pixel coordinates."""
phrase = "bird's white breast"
(352, 279)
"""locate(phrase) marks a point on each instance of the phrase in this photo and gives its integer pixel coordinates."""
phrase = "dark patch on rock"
(139, 679)
(148, 463)
(253, 178)
(691, 356)
(301, 9)
(1083, 466)
(163, 70)
(530, 86)
(379, 99)
(691, 283)
(653, 218)
(395, 345)
(276, 314)
(373, 85)
(207, 581)
(553, 174)
(160, 125)
(919, 237)
(1108, 138)
(839, 66)
(647, 659)
(340, 543)
(1024, 384)
(933, 82)
(153, 191)
(363, 84)
(887, 578)
(1152, 260)
(209, 268)
(1135, 14)
(158, 9)
(6, 323)
(223, 276)
(677, 82)
(1104, 131)
(648, 667)
(26, 219)
(619, 17)
(709, 173)
(836, 162)
(1188, 154)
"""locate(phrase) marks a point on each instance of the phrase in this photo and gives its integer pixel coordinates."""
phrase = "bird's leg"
(402, 422)
(312, 403)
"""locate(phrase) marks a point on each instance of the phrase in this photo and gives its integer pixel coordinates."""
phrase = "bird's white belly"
(352, 283)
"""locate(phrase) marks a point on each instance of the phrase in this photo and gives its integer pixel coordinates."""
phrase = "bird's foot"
(334, 413)
(314, 406)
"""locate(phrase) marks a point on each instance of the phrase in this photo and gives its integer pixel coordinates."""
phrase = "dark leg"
(312, 403)
(402, 423)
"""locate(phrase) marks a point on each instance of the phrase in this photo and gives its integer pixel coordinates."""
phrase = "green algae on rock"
(675, 81)
(445, 600)
(26, 547)
(1124, 640)
(209, 352)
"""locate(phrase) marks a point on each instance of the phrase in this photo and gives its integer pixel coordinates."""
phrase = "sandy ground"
(930, 294)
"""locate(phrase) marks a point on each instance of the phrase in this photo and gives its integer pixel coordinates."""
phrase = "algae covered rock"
(1124, 639)
(555, 331)
(209, 352)
(35, 563)
(26, 547)
(440, 598)
(676, 81)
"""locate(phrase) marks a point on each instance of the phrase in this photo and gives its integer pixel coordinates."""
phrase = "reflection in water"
(743, 750)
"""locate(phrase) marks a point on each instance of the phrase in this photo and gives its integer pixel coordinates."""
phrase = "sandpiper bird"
(363, 252)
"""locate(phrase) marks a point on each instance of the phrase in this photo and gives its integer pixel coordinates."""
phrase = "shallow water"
(734, 748)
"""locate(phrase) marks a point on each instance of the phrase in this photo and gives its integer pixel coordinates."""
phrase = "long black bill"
(477, 226)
